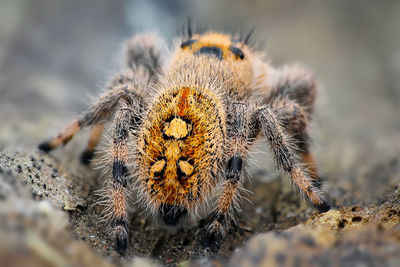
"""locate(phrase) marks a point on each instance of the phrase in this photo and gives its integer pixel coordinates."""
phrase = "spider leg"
(144, 59)
(94, 138)
(237, 129)
(145, 51)
(292, 97)
(142, 52)
(284, 156)
(298, 84)
(118, 192)
(294, 120)
(97, 113)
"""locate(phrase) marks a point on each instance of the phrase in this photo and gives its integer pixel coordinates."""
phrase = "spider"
(184, 122)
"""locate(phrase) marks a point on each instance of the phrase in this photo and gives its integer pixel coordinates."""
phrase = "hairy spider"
(185, 120)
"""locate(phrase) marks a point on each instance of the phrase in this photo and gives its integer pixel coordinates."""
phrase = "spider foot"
(120, 240)
(212, 237)
(86, 157)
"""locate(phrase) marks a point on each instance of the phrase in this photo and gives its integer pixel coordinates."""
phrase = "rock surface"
(36, 200)
(353, 236)
(50, 215)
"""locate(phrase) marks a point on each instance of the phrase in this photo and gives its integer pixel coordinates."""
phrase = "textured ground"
(49, 215)
(46, 180)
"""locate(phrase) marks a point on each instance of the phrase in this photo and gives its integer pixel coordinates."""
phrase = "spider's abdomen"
(180, 145)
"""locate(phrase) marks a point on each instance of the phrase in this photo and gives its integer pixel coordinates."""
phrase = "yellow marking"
(177, 128)
(186, 167)
(172, 153)
(157, 167)
(222, 41)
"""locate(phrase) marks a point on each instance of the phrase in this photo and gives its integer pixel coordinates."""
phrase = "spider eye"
(188, 43)
(237, 52)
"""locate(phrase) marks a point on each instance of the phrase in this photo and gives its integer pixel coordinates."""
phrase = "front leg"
(236, 153)
(117, 192)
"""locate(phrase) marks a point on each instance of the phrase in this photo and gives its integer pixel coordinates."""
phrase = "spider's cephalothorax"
(184, 122)
(224, 48)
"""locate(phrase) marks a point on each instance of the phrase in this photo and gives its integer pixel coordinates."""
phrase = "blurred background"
(54, 54)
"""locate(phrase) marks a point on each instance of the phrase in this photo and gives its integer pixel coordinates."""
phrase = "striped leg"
(236, 153)
(285, 157)
(292, 98)
(100, 111)
(117, 193)
(294, 119)
(62, 138)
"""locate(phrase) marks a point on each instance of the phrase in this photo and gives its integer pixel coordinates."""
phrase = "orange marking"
(95, 136)
(226, 198)
(305, 185)
(183, 102)
(118, 201)
(308, 159)
(66, 135)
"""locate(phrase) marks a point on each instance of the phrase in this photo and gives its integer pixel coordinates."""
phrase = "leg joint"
(120, 172)
(234, 168)
(119, 221)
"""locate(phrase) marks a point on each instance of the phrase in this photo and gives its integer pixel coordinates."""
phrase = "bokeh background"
(54, 54)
